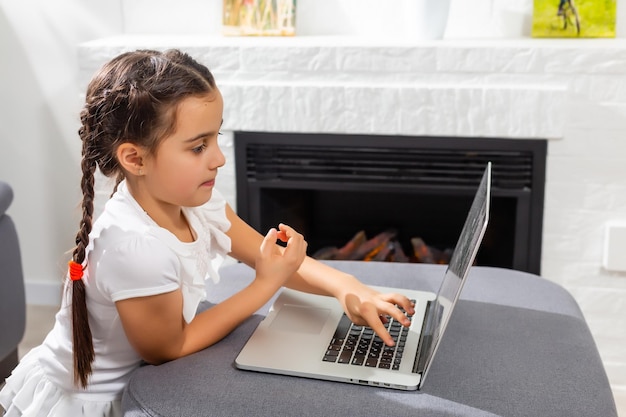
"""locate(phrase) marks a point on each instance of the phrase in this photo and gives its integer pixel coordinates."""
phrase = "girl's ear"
(131, 158)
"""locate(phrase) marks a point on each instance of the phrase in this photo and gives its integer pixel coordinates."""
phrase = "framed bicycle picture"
(574, 18)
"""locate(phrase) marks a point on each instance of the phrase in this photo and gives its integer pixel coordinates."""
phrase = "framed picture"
(259, 18)
(574, 18)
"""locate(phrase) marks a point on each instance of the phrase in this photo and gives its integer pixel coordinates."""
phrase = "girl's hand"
(275, 265)
(365, 306)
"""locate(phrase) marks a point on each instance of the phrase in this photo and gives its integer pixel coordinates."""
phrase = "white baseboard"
(43, 293)
(49, 293)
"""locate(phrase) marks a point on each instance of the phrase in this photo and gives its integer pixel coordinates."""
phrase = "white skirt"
(29, 393)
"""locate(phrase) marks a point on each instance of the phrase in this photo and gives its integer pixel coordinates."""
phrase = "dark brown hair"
(133, 98)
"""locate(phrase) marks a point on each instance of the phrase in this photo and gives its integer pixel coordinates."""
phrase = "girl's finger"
(400, 301)
(284, 232)
(267, 246)
(296, 246)
(393, 311)
(373, 320)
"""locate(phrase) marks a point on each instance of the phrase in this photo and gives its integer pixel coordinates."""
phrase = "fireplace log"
(421, 251)
(347, 250)
(383, 254)
(328, 253)
(446, 255)
(374, 244)
(380, 252)
(397, 253)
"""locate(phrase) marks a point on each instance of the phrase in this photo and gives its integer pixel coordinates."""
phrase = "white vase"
(432, 17)
(407, 19)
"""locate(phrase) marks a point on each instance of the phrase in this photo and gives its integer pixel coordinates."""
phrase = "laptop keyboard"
(359, 345)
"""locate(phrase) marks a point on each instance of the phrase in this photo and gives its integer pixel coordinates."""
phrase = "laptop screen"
(458, 268)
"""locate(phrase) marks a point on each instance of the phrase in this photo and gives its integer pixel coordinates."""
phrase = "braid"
(81, 333)
(118, 179)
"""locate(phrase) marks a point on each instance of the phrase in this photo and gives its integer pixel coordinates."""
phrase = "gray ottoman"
(517, 345)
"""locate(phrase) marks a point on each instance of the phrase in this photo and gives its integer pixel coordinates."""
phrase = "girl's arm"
(362, 304)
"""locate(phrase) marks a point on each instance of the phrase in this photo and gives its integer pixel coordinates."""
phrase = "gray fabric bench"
(12, 292)
(517, 345)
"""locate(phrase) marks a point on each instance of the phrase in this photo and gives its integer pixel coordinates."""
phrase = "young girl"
(151, 120)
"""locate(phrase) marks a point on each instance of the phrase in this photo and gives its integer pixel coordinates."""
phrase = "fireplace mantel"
(479, 88)
(506, 89)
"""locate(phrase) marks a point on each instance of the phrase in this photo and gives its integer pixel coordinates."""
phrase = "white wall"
(40, 150)
(39, 146)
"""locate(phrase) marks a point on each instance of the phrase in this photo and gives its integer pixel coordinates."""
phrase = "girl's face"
(183, 170)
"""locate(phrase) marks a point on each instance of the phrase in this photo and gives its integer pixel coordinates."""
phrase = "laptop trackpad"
(293, 318)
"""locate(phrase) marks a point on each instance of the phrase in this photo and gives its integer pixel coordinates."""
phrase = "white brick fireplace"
(572, 93)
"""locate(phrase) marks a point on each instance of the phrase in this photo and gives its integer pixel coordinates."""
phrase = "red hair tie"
(76, 270)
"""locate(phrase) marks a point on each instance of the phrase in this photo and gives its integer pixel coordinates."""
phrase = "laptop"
(309, 335)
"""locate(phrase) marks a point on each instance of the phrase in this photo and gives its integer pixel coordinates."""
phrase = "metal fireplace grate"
(443, 167)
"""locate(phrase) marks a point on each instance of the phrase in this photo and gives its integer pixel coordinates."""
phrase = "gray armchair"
(12, 297)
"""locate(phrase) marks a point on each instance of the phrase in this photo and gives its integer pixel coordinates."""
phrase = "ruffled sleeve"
(212, 216)
(212, 245)
(138, 266)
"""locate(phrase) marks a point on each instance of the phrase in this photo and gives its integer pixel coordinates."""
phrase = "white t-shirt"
(129, 256)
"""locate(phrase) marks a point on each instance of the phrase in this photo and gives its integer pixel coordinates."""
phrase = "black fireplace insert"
(332, 186)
